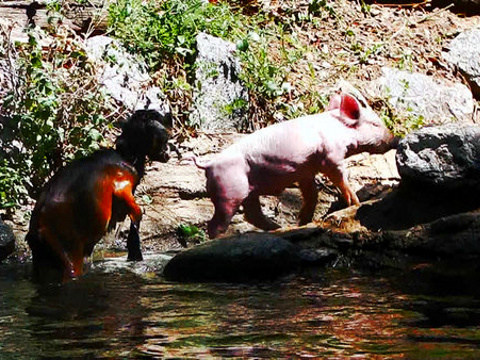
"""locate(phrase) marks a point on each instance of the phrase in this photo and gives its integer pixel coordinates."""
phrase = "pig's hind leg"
(224, 211)
(255, 216)
(227, 191)
(310, 199)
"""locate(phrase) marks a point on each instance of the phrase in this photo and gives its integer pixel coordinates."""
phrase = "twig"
(412, 4)
(429, 16)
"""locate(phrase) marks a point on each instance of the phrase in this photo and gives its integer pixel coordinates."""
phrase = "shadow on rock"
(410, 206)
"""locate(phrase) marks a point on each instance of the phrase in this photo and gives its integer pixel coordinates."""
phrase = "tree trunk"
(83, 18)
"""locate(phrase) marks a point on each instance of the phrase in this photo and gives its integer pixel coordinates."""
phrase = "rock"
(152, 263)
(125, 78)
(7, 241)
(246, 257)
(405, 207)
(318, 257)
(370, 174)
(220, 99)
(424, 96)
(452, 236)
(464, 52)
(447, 156)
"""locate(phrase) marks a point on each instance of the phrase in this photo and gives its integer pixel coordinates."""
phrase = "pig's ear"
(349, 110)
(334, 103)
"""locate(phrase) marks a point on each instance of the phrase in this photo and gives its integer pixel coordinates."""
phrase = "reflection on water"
(332, 314)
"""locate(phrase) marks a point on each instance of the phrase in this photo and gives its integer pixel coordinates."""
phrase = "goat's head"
(146, 134)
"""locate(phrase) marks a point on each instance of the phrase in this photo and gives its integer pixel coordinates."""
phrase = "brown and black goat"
(88, 197)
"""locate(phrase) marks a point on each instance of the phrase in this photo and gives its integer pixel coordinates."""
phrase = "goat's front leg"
(133, 242)
(124, 191)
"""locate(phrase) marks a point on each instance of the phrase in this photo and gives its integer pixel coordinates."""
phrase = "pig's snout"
(395, 141)
(379, 144)
(389, 142)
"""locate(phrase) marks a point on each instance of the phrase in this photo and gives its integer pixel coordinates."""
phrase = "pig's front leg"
(310, 197)
(255, 216)
(338, 177)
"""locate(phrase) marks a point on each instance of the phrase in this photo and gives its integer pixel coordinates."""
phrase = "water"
(329, 314)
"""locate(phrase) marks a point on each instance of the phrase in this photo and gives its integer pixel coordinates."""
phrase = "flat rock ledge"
(344, 242)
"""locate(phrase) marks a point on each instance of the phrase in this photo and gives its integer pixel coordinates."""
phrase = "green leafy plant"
(190, 233)
(261, 73)
(56, 113)
(167, 29)
(237, 105)
(164, 33)
(11, 185)
(401, 124)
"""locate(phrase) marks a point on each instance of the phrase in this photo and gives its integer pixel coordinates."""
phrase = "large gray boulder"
(421, 95)
(124, 76)
(447, 156)
(464, 52)
(7, 241)
(247, 257)
(220, 100)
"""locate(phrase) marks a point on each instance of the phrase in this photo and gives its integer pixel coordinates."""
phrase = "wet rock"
(464, 52)
(404, 207)
(7, 241)
(220, 98)
(152, 263)
(450, 236)
(318, 257)
(421, 95)
(446, 156)
(125, 78)
(453, 236)
(247, 257)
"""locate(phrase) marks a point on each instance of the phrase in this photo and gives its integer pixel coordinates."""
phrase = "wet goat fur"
(89, 196)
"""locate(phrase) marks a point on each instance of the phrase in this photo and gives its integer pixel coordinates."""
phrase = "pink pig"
(269, 160)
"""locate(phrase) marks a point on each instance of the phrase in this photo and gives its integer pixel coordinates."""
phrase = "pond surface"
(331, 314)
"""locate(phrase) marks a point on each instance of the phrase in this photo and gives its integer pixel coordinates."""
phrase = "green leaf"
(243, 45)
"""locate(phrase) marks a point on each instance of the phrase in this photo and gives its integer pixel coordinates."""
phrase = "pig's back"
(291, 141)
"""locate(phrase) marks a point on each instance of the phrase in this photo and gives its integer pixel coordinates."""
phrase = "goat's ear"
(167, 120)
(121, 124)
